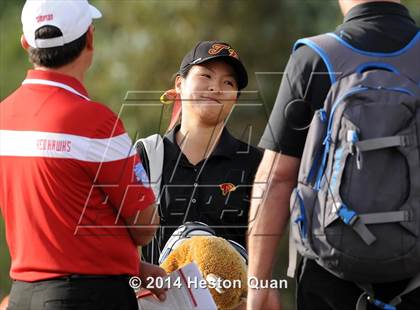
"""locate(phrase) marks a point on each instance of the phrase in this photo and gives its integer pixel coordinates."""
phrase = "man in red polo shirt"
(71, 186)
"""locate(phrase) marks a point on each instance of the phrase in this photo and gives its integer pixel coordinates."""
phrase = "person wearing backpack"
(342, 161)
(199, 171)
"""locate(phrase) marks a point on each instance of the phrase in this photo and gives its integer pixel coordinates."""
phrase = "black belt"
(92, 277)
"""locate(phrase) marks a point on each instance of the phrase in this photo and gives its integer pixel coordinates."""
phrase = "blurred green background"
(140, 43)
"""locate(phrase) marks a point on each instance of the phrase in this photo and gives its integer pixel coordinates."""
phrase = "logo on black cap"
(217, 48)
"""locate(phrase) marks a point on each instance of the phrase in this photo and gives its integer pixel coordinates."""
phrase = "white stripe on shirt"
(59, 145)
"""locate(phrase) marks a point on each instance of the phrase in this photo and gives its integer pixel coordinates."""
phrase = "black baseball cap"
(208, 50)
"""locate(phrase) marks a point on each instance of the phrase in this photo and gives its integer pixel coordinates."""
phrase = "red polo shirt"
(67, 179)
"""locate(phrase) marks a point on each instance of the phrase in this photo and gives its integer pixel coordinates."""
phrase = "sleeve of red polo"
(113, 161)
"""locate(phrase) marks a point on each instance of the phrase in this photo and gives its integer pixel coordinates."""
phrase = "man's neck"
(198, 142)
(347, 5)
(70, 70)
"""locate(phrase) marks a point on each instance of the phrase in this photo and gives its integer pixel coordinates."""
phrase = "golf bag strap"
(153, 147)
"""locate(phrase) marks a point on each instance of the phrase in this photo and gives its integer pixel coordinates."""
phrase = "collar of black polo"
(375, 8)
(226, 147)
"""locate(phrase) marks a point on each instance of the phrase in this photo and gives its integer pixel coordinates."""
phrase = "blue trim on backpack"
(378, 65)
(321, 53)
(311, 173)
(337, 161)
(327, 140)
(354, 137)
(401, 90)
(374, 54)
(301, 220)
(347, 215)
(323, 115)
(323, 118)
(382, 305)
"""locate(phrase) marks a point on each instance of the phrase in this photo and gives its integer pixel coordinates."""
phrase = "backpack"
(356, 207)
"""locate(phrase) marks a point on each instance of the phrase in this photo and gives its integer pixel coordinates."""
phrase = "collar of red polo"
(59, 78)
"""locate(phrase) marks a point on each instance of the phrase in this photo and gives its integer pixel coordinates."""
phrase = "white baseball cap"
(72, 17)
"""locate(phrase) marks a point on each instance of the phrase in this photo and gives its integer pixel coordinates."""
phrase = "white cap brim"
(95, 13)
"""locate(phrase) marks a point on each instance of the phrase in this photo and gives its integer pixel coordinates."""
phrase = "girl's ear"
(178, 83)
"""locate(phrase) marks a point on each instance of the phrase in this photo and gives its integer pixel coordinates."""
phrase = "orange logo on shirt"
(227, 188)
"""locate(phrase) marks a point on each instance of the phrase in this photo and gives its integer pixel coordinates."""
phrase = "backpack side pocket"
(302, 204)
(312, 155)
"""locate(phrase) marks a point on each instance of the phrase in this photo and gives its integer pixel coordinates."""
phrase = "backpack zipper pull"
(352, 138)
(359, 159)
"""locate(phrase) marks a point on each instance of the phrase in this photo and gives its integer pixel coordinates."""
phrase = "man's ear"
(24, 43)
(178, 83)
(89, 38)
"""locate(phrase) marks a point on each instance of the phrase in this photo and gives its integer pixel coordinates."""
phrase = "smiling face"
(208, 92)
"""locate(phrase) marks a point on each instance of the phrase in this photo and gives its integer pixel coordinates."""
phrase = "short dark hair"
(55, 57)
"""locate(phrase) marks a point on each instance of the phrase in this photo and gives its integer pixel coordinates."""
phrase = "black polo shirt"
(374, 27)
(216, 191)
